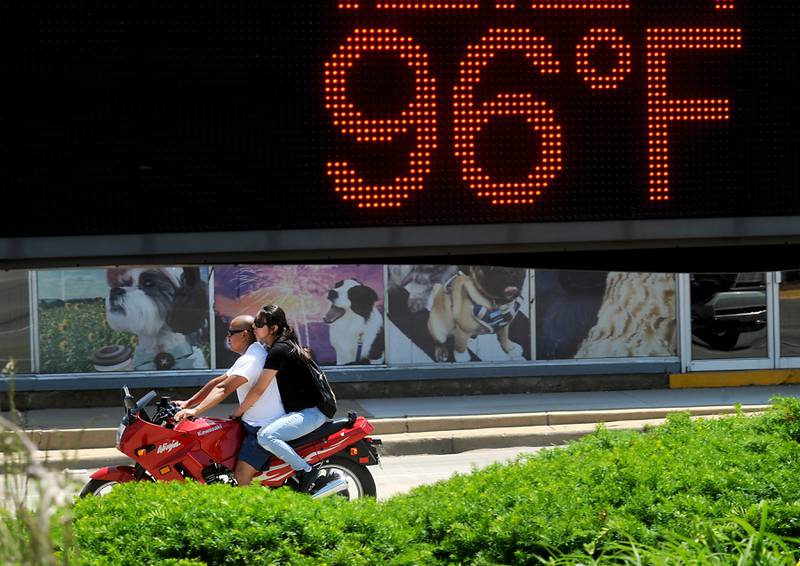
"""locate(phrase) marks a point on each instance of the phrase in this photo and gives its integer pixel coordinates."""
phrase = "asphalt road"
(400, 474)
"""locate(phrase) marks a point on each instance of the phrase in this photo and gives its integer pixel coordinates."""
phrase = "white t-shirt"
(268, 407)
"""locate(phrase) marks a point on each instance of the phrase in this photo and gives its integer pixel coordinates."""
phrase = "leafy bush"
(784, 417)
(689, 486)
(747, 546)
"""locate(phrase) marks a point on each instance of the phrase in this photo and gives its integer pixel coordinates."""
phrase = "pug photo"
(457, 313)
(478, 300)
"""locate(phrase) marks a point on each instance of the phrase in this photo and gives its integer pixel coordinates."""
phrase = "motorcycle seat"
(325, 430)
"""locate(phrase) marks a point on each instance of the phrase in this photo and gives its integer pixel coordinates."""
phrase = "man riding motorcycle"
(241, 377)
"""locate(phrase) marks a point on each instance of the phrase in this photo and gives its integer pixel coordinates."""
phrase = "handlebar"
(166, 409)
(143, 402)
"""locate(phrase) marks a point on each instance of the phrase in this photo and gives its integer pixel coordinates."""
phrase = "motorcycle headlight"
(120, 432)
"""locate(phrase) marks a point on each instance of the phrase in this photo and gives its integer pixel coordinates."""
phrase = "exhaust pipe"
(335, 486)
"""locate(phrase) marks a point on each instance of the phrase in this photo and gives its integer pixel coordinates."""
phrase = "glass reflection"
(729, 315)
(790, 313)
(15, 320)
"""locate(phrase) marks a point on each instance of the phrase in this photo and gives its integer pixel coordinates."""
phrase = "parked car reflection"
(724, 305)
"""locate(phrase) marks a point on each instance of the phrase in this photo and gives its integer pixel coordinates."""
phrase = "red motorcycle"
(205, 449)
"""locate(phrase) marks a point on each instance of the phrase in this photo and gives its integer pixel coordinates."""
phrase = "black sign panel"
(195, 117)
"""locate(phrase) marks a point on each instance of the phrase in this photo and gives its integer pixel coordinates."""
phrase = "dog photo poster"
(123, 319)
(457, 313)
(337, 310)
(601, 314)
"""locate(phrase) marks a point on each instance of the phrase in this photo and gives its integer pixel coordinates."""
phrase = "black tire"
(361, 483)
(95, 487)
(725, 341)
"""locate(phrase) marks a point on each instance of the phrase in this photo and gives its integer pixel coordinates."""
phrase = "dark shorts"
(250, 451)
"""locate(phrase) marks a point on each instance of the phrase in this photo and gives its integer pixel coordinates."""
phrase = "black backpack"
(327, 404)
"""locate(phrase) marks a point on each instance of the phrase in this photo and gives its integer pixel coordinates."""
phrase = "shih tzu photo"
(161, 306)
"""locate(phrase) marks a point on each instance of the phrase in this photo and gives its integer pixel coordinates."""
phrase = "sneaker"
(305, 480)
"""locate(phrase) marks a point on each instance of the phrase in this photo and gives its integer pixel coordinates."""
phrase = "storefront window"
(15, 320)
(729, 315)
(458, 313)
(336, 310)
(123, 319)
(586, 314)
(790, 313)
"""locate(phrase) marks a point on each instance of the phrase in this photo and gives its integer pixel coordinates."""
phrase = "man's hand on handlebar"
(185, 414)
(182, 404)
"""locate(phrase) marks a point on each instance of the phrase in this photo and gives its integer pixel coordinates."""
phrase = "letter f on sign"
(661, 110)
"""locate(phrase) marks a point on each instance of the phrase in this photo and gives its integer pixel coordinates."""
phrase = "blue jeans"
(273, 436)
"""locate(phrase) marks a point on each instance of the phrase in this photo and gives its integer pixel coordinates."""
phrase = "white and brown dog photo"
(161, 306)
(355, 323)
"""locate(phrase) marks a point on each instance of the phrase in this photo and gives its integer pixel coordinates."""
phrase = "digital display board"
(168, 117)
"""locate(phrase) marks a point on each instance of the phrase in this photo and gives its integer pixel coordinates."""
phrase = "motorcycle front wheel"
(359, 481)
(98, 487)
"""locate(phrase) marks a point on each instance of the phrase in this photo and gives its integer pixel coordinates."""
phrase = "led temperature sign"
(348, 114)
(420, 116)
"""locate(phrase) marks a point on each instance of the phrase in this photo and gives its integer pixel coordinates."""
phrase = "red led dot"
(427, 5)
(661, 109)
(418, 116)
(617, 44)
(470, 118)
(580, 5)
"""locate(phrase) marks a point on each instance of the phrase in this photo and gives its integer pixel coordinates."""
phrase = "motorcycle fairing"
(119, 474)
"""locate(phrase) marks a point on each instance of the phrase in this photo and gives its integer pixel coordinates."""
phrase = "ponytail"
(274, 315)
(288, 333)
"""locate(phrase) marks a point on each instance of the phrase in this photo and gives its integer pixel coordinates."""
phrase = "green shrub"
(689, 486)
(783, 417)
(717, 543)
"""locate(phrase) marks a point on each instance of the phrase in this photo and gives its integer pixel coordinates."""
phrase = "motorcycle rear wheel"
(359, 481)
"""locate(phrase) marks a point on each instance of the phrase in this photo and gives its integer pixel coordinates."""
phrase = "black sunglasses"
(231, 331)
(260, 324)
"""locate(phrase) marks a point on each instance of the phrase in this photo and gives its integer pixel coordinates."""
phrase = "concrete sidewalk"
(435, 425)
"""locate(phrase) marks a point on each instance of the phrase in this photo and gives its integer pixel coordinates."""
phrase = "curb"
(91, 438)
(403, 444)
(410, 443)
(458, 441)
